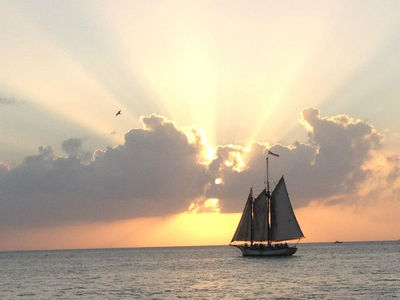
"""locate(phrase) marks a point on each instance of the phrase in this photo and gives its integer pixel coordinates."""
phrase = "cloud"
(331, 163)
(155, 172)
(394, 174)
(9, 101)
(72, 147)
(4, 100)
(160, 170)
(4, 168)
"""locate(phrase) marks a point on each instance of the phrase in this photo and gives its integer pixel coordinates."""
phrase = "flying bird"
(118, 113)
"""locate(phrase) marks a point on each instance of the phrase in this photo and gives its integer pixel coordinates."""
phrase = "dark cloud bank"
(157, 172)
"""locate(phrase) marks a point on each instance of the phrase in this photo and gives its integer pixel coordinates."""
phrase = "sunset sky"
(205, 88)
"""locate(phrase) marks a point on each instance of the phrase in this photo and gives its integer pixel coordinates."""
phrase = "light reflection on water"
(317, 271)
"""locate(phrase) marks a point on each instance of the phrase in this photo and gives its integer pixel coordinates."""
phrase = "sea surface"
(363, 270)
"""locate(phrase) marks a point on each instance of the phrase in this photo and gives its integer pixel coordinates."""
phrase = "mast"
(267, 180)
(251, 217)
(268, 196)
(268, 202)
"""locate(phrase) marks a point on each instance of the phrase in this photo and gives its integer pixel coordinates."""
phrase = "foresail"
(260, 217)
(284, 225)
(243, 231)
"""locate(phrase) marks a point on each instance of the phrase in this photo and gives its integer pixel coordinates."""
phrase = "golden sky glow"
(319, 223)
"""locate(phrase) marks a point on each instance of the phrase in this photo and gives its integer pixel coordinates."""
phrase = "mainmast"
(266, 182)
(251, 217)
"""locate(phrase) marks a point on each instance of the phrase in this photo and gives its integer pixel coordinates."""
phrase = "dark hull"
(266, 251)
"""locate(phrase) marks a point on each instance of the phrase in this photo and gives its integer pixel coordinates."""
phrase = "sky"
(206, 88)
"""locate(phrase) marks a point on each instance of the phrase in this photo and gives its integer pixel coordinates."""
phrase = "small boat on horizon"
(338, 242)
(267, 221)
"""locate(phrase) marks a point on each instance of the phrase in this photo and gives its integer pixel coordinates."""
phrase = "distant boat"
(266, 220)
(338, 242)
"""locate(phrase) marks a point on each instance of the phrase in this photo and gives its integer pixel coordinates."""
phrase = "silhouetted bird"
(118, 113)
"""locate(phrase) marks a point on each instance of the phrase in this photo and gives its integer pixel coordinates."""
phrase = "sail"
(260, 217)
(284, 225)
(243, 231)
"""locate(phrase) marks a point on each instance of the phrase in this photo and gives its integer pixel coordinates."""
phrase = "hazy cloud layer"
(157, 172)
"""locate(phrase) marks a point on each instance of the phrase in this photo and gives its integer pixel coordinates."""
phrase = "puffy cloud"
(160, 169)
(332, 163)
(344, 144)
(155, 172)
(72, 147)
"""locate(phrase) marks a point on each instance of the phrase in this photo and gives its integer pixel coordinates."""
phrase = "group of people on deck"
(276, 246)
(281, 245)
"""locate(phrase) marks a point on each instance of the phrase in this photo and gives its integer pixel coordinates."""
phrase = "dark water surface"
(369, 270)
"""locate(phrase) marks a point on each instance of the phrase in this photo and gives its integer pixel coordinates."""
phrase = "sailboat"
(266, 220)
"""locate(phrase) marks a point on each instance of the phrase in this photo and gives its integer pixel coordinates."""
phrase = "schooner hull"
(266, 251)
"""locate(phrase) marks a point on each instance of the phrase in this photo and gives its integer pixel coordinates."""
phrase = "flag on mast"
(272, 153)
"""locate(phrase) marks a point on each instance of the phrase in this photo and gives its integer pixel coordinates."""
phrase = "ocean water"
(368, 270)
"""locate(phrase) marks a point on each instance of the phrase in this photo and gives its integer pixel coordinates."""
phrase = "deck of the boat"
(266, 251)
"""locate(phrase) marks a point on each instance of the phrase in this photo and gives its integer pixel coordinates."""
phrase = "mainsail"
(284, 225)
(260, 217)
(243, 231)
